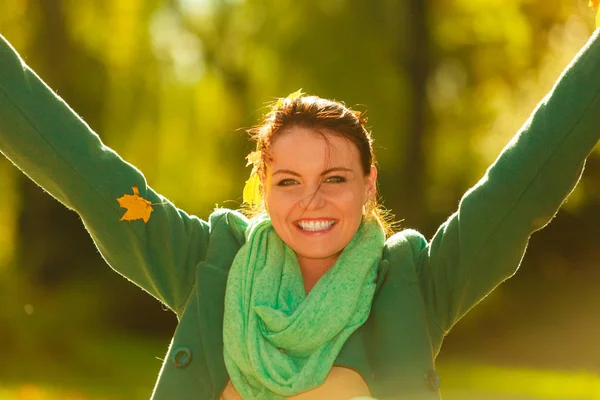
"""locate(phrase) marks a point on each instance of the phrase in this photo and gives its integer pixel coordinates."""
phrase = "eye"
(336, 179)
(286, 182)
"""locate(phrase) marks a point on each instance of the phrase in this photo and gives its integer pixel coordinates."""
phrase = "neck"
(313, 269)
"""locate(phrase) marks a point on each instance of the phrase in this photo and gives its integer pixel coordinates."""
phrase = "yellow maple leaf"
(253, 158)
(251, 194)
(292, 96)
(298, 93)
(137, 207)
(595, 3)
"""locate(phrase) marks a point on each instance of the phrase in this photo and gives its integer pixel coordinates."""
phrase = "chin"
(318, 254)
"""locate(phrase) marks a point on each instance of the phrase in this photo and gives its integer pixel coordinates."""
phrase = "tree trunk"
(417, 64)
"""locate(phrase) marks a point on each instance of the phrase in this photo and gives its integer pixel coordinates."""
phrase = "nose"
(314, 200)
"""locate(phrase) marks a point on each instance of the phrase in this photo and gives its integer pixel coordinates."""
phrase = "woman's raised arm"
(44, 138)
(482, 244)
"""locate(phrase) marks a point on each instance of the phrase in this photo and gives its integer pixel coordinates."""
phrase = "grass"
(135, 378)
(466, 381)
(106, 368)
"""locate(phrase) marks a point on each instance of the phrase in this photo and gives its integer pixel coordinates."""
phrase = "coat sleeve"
(482, 244)
(46, 140)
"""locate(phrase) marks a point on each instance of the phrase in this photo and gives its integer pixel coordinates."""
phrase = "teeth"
(315, 225)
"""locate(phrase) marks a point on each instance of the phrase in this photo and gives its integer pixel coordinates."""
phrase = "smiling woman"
(315, 162)
(307, 299)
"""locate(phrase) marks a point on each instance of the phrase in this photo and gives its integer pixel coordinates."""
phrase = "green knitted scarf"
(278, 341)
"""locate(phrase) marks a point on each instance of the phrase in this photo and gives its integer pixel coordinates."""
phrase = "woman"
(307, 299)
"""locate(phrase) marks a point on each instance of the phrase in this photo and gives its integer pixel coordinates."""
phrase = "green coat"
(424, 288)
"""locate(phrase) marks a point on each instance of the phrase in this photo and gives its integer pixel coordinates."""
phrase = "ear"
(371, 184)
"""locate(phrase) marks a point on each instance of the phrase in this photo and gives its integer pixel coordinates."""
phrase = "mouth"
(315, 226)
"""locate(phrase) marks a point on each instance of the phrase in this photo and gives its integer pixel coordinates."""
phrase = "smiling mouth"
(315, 226)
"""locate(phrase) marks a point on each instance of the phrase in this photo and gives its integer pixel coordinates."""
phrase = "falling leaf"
(595, 3)
(298, 93)
(363, 120)
(292, 96)
(137, 207)
(254, 158)
(251, 194)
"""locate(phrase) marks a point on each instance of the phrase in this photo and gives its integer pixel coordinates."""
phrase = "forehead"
(305, 148)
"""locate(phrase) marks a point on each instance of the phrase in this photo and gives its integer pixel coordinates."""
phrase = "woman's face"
(315, 191)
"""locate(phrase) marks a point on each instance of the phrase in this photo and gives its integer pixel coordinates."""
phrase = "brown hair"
(322, 115)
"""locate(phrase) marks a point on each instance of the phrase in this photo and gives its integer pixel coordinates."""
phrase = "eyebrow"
(289, 171)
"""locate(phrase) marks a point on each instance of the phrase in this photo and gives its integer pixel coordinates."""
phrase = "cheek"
(345, 197)
(279, 203)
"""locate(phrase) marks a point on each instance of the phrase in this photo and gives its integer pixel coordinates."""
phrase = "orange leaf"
(594, 3)
(137, 207)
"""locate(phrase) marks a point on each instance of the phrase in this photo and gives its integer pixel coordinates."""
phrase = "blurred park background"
(171, 85)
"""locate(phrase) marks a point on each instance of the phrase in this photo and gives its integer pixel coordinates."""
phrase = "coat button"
(433, 380)
(181, 357)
